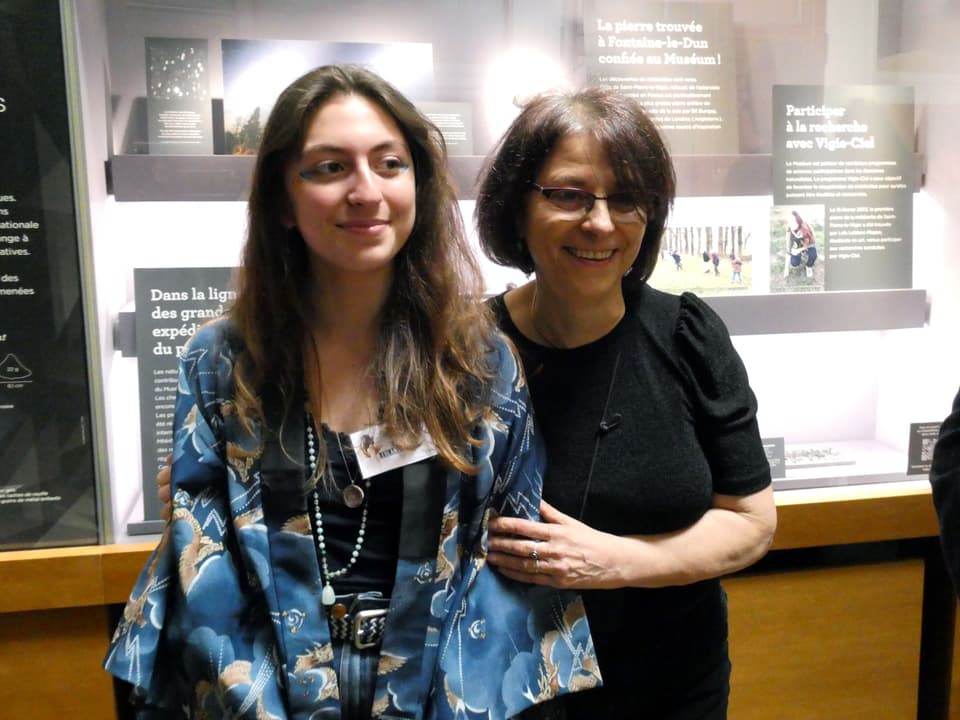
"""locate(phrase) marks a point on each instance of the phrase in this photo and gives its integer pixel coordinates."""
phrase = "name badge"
(377, 454)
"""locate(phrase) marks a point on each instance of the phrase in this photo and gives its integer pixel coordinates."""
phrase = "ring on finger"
(533, 554)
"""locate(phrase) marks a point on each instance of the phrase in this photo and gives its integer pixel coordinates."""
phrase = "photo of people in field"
(705, 259)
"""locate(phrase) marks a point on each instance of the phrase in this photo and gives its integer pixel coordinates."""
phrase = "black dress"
(662, 411)
(945, 479)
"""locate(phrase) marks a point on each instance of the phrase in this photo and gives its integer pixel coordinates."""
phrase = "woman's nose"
(365, 188)
(598, 217)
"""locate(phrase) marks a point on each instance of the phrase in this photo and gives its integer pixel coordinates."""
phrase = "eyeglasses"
(623, 207)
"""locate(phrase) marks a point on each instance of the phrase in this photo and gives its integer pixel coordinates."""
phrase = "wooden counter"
(69, 577)
(854, 514)
(818, 642)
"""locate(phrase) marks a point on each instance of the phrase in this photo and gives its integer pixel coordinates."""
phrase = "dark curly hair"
(637, 153)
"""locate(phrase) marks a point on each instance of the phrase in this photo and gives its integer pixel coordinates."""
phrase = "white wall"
(920, 372)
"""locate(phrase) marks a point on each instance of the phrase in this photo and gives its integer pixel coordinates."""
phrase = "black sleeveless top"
(376, 566)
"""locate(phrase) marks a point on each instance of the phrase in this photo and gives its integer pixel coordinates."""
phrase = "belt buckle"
(359, 618)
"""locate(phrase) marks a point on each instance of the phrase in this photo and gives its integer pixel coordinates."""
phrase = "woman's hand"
(163, 489)
(563, 552)
(560, 551)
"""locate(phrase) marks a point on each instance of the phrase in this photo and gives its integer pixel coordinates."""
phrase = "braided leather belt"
(364, 628)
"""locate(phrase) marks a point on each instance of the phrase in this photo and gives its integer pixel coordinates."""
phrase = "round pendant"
(353, 496)
(338, 611)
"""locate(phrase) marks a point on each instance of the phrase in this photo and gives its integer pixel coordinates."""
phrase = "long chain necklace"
(353, 495)
(328, 596)
(536, 325)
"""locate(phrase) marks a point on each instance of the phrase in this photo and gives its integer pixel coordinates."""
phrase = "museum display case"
(840, 111)
(50, 436)
(828, 354)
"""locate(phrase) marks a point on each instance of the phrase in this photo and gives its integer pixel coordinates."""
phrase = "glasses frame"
(636, 214)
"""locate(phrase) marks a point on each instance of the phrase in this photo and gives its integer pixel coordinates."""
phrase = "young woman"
(657, 483)
(803, 246)
(342, 438)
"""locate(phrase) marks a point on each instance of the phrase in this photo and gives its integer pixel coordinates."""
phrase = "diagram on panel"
(13, 370)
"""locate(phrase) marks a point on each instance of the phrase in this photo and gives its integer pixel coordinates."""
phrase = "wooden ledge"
(103, 575)
(854, 514)
(69, 577)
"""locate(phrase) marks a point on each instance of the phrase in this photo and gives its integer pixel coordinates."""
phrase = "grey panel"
(821, 312)
(838, 481)
(227, 177)
(181, 178)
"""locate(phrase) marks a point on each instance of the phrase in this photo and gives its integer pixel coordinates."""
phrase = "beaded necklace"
(328, 596)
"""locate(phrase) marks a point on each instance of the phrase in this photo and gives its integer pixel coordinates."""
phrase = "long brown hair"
(635, 149)
(434, 335)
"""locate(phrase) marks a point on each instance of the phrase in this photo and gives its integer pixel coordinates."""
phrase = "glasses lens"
(623, 203)
(568, 198)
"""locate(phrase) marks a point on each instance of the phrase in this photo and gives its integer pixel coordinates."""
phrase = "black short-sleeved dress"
(662, 409)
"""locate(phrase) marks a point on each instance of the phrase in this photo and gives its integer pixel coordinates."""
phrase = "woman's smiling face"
(352, 191)
(585, 256)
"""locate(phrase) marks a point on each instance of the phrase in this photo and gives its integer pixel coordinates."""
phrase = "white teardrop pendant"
(328, 597)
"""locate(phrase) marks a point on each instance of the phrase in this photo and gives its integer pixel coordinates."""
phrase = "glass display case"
(48, 429)
(838, 111)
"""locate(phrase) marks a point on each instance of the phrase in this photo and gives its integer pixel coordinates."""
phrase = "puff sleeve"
(724, 405)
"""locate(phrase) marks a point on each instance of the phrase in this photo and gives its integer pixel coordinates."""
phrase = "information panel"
(47, 485)
(842, 188)
(171, 303)
(179, 115)
(677, 59)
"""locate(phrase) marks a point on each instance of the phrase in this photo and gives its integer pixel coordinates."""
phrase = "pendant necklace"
(536, 325)
(328, 596)
(353, 495)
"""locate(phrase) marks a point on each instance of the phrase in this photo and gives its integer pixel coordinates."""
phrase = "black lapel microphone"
(605, 427)
(608, 425)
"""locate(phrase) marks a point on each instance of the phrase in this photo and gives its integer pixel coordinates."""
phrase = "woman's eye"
(568, 196)
(322, 170)
(392, 166)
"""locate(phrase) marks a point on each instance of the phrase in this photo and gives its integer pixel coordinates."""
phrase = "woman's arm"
(733, 534)
(163, 489)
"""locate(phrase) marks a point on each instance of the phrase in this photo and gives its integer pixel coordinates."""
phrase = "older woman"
(657, 483)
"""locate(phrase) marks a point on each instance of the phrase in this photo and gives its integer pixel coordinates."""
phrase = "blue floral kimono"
(226, 620)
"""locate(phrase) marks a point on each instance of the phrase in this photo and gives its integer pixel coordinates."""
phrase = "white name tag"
(377, 454)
